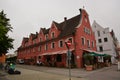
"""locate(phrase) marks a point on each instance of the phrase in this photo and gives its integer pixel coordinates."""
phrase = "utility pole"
(68, 44)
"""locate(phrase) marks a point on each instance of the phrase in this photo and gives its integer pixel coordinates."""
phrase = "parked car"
(20, 61)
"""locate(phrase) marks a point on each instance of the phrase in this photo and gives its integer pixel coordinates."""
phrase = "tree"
(6, 42)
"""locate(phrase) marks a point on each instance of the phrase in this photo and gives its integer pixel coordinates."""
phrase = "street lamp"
(68, 44)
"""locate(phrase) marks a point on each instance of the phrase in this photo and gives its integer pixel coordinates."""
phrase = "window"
(88, 43)
(92, 44)
(26, 44)
(95, 26)
(53, 45)
(84, 29)
(83, 41)
(46, 47)
(103, 32)
(85, 19)
(99, 40)
(98, 32)
(70, 39)
(59, 58)
(39, 57)
(101, 48)
(105, 39)
(39, 48)
(40, 39)
(46, 36)
(34, 41)
(87, 30)
(60, 43)
(53, 35)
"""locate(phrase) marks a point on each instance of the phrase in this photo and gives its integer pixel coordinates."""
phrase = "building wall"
(108, 47)
(83, 30)
(80, 33)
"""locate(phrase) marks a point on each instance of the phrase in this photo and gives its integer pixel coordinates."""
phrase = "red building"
(49, 47)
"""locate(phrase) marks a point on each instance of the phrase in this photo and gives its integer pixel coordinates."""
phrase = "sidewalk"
(2, 75)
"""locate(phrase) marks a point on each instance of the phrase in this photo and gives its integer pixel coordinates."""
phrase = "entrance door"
(72, 60)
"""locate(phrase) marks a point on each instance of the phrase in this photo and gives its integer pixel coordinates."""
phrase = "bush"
(88, 59)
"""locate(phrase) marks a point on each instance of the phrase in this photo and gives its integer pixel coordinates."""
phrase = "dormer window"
(40, 39)
(34, 41)
(46, 36)
(53, 35)
(26, 44)
(85, 19)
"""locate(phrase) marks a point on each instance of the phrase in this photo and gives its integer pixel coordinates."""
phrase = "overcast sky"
(28, 16)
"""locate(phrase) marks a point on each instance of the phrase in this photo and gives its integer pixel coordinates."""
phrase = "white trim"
(88, 43)
(52, 35)
(84, 40)
(59, 43)
(57, 52)
(52, 45)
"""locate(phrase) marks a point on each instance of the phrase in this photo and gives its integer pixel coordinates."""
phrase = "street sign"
(69, 55)
(68, 44)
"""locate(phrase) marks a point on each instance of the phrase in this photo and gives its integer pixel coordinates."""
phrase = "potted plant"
(88, 58)
(107, 60)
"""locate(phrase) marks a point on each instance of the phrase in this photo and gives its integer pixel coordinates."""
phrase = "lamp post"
(68, 44)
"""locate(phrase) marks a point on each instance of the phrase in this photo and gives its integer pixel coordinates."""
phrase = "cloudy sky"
(28, 16)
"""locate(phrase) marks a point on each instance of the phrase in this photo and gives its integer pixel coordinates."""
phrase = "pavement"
(28, 74)
(51, 73)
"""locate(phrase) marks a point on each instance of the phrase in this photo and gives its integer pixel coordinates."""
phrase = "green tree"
(6, 42)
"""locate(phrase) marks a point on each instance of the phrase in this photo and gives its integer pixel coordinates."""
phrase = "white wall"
(108, 47)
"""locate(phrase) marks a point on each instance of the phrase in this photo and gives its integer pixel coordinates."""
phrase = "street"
(105, 74)
(50, 73)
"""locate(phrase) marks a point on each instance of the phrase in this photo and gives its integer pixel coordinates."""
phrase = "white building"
(105, 40)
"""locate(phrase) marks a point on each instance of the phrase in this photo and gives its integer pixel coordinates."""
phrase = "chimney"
(65, 18)
(80, 10)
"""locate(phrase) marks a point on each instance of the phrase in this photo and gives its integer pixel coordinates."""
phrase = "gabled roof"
(45, 31)
(67, 27)
(34, 36)
(25, 39)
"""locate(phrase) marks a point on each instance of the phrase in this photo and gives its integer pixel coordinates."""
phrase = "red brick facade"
(48, 45)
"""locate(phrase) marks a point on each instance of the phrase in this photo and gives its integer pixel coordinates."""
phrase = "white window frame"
(69, 39)
(52, 35)
(46, 37)
(52, 45)
(92, 44)
(39, 48)
(62, 43)
(46, 47)
(88, 43)
(34, 41)
(83, 40)
(40, 39)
